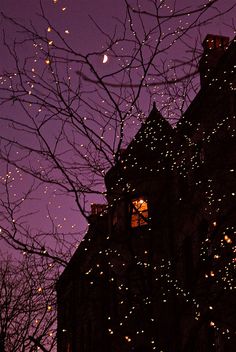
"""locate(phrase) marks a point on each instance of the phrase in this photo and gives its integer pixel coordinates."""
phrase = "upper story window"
(139, 212)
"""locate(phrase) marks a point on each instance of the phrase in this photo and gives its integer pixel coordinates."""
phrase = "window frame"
(138, 218)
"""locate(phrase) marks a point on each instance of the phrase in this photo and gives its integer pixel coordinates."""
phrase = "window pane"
(139, 213)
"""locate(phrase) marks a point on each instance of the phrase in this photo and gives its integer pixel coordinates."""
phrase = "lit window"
(139, 212)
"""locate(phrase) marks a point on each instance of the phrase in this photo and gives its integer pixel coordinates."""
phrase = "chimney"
(214, 47)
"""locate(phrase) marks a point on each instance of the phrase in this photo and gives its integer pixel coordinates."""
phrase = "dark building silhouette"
(156, 269)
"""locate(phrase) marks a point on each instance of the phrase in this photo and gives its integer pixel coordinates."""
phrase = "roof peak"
(155, 109)
(155, 113)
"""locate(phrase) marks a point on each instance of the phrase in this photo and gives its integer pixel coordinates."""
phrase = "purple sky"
(71, 17)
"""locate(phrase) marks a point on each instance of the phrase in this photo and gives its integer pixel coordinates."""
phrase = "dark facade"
(155, 271)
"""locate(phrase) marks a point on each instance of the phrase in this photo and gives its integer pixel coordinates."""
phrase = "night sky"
(74, 20)
(71, 108)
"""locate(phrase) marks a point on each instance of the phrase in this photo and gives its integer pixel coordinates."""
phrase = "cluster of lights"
(161, 143)
(213, 199)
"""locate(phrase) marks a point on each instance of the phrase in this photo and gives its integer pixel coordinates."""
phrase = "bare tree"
(65, 119)
(75, 118)
(27, 305)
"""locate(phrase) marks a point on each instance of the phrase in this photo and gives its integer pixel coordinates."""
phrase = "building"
(155, 271)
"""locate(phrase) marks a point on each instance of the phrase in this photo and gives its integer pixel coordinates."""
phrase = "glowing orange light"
(227, 239)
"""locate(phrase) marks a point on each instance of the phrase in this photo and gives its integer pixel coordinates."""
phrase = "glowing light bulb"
(227, 239)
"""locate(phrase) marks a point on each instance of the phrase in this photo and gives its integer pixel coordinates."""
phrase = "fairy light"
(161, 144)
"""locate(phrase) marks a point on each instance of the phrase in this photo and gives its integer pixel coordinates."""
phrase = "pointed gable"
(154, 133)
(149, 152)
(152, 145)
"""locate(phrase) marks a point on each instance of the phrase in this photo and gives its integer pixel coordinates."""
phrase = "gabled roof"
(153, 134)
(152, 145)
(149, 151)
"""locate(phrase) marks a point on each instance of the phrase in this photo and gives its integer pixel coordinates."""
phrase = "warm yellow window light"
(139, 212)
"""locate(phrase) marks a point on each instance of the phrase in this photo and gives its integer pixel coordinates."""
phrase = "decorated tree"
(68, 114)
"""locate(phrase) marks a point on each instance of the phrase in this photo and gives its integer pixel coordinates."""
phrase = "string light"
(159, 144)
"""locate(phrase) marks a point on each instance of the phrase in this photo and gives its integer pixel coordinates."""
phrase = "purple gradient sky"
(83, 35)
(76, 18)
